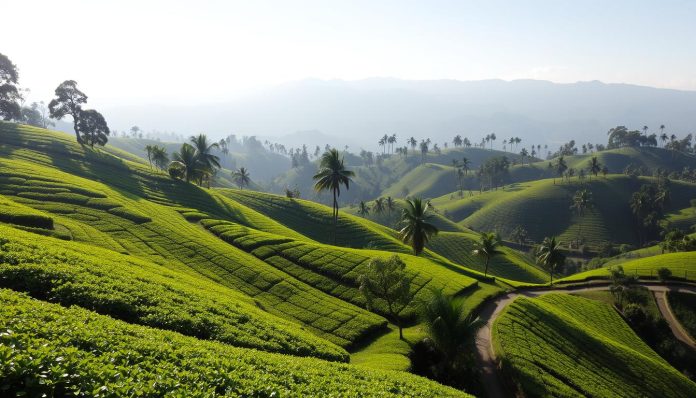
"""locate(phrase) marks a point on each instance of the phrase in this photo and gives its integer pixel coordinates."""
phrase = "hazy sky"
(200, 51)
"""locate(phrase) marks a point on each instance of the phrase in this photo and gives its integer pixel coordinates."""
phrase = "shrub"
(664, 274)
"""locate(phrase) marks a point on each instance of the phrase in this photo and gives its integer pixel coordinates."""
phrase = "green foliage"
(15, 213)
(387, 280)
(47, 349)
(417, 230)
(683, 306)
(682, 266)
(545, 340)
(487, 248)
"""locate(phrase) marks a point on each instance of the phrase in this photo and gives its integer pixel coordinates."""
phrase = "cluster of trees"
(158, 156)
(380, 206)
(10, 95)
(195, 161)
(561, 169)
(89, 125)
(495, 171)
(648, 205)
(620, 136)
(445, 354)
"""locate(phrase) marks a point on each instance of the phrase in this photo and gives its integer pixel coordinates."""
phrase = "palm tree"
(204, 149)
(594, 166)
(493, 138)
(450, 329)
(390, 204)
(332, 174)
(561, 167)
(549, 255)
(417, 230)
(457, 141)
(413, 143)
(392, 140)
(378, 207)
(160, 157)
(241, 177)
(186, 158)
(465, 165)
(363, 209)
(148, 150)
(487, 247)
(582, 200)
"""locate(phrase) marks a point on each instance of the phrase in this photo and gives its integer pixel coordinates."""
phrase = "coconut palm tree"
(208, 161)
(416, 230)
(549, 255)
(487, 248)
(450, 328)
(413, 143)
(363, 209)
(148, 150)
(160, 157)
(241, 177)
(561, 167)
(390, 204)
(187, 160)
(595, 167)
(465, 164)
(378, 207)
(332, 174)
(582, 201)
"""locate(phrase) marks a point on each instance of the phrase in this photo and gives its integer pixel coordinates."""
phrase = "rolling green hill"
(386, 179)
(564, 346)
(87, 228)
(50, 350)
(543, 208)
(682, 265)
(616, 161)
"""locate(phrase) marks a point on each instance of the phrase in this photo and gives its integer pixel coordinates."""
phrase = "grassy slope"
(557, 344)
(543, 208)
(48, 349)
(142, 292)
(682, 265)
(616, 161)
(458, 246)
(115, 198)
(425, 181)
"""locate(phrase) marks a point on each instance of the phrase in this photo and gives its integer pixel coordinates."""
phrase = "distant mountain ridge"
(539, 111)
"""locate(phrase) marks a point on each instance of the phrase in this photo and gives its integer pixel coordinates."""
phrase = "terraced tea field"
(565, 346)
(682, 265)
(52, 350)
(543, 208)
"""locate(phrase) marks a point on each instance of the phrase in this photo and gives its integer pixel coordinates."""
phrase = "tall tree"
(189, 163)
(450, 330)
(417, 229)
(595, 167)
(390, 204)
(561, 167)
(204, 154)
(332, 174)
(413, 143)
(549, 255)
(242, 177)
(148, 151)
(160, 157)
(10, 97)
(68, 101)
(582, 201)
(378, 207)
(363, 209)
(387, 280)
(487, 248)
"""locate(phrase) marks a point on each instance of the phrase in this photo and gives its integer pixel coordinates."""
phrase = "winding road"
(494, 383)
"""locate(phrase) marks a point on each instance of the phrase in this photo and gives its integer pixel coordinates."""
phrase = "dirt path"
(494, 383)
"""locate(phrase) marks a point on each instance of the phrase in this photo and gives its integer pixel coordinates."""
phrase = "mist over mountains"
(356, 113)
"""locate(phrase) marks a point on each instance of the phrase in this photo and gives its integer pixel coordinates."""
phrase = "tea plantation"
(56, 351)
(559, 345)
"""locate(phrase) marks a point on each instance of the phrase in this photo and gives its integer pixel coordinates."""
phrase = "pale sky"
(134, 52)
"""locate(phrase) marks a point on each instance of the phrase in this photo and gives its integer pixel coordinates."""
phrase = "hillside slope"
(543, 208)
(548, 339)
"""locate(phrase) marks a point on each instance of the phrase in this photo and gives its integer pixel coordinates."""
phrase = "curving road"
(493, 382)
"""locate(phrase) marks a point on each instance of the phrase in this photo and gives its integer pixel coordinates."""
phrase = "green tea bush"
(559, 345)
(139, 292)
(48, 350)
